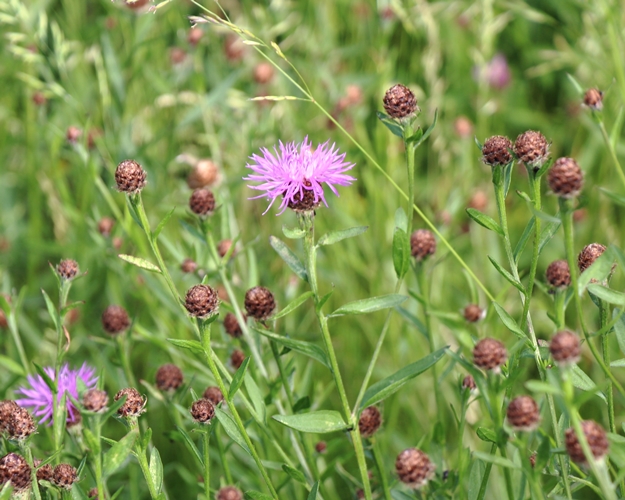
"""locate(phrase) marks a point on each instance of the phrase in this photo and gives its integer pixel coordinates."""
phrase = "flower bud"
(64, 475)
(558, 274)
(232, 327)
(565, 348)
(370, 421)
(134, 404)
(496, 151)
(115, 319)
(489, 354)
(214, 395)
(202, 202)
(202, 411)
(589, 255)
(229, 493)
(399, 102)
(169, 377)
(422, 244)
(201, 301)
(593, 98)
(259, 303)
(597, 442)
(532, 148)
(15, 470)
(95, 400)
(565, 178)
(67, 269)
(130, 177)
(414, 468)
(473, 313)
(523, 414)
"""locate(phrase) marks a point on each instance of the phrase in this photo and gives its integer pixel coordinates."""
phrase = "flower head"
(298, 170)
(39, 396)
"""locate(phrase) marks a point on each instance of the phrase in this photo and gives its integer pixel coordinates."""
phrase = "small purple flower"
(298, 168)
(39, 397)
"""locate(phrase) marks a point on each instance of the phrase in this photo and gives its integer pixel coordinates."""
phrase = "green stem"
(604, 312)
(506, 473)
(222, 458)
(28, 455)
(207, 489)
(97, 457)
(482, 492)
(379, 463)
(17, 340)
(535, 193)
(606, 138)
(125, 360)
(307, 223)
(142, 458)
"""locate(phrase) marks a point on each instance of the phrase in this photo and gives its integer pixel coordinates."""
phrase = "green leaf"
(607, 294)
(427, 133)
(615, 133)
(118, 453)
(315, 422)
(237, 380)
(294, 233)
(618, 363)
(619, 330)
(92, 443)
(547, 232)
(582, 381)
(313, 491)
(401, 220)
(520, 246)
(51, 309)
(507, 275)
(257, 495)
(192, 345)
(294, 473)
(288, 256)
(139, 262)
(191, 445)
(488, 435)
(385, 387)
(162, 223)
(539, 387)
(484, 220)
(156, 469)
(294, 304)
(544, 216)
(255, 395)
(616, 198)
(578, 88)
(599, 270)
(509, 322)
(11, 365)
(366, 306)
(496, 460)
(401, 252)
(231, 428)
(336, 236)
(390, 124)
(308, 349)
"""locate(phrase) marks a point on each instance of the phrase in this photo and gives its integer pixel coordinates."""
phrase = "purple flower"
(298, 168)
(39, 398)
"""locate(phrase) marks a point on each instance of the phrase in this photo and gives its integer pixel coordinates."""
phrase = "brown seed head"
(232, 327)
(370, 421)
(414, 468)
(73, 134)
(532, 148)
(496, 151)
(21, 424)
(202, 411)
(134, 405)
(214, 395)
(44, 472)
(201, 301)
(195, 35)
(473, 313)
(400, 102)
(105, 226)
(589, 255)
(130, 177)
(229, 493)
(93, 493)
(259, 303)
(7, 408)
(321, 447)
(565, 348)
(489, 354)
(95, 400)
(202, 202)
(263, 73)
(468, 382)
(67, 269)
(15, 469)
(115, 319)
(422, 244)
(597, 442)
(204, 173)
(558, 274)
(593, 98)
(64, 476)
(169, 377)
(188, 266)
(565, 178)
(223, 247)
(523, 414)
(236, 358)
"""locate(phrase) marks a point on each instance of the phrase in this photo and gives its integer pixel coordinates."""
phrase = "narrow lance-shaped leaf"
(484, 220)
(231, 428)
(336, 236)
(508, 321)
(118, 453)
(401, 252)
(372, 304)
(288, 257)
(139, 262)
(316, 422)
(294, 304)
(507, 275)
(311, 350)
(237, 380)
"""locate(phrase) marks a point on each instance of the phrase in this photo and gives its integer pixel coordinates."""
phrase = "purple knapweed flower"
(39, 398)
(298, 168)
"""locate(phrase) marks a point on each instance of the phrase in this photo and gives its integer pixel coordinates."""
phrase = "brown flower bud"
(177, 55)
(400, 102)
(259, 303)
(44, 472)
(39, 99)
(479, 200)
(565, 348)
(130, 177)
(169, 377)
(105, 226)
(263, 73)
(565, 178)
(232, 327)
(64, 475)
(229, 493)
(202, 411)
(593, 98)
(95, 400)
(533, 460)
(370, 421)
(463, 127)
(195, 35)
(202, 202)
(234, 48)
(589, 255)
(473, 313)
(204, 173)
(468, 382)
(496, 151)
(73, 134)
(214, 395)
(236, 358)
(93, 494)
(558, 274)
(532, 148)
(136, 4)
(115, 319)
(134, 404)
(523, 414)
(414, 468)
(67, 269)
(201, 301)
(597, 442)
(188, 266)
(321, 447)
(304, 201)
(15, 470)
(489, 354)
(7, 408)
(223, 247)
(422, 244)
(21, 424)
